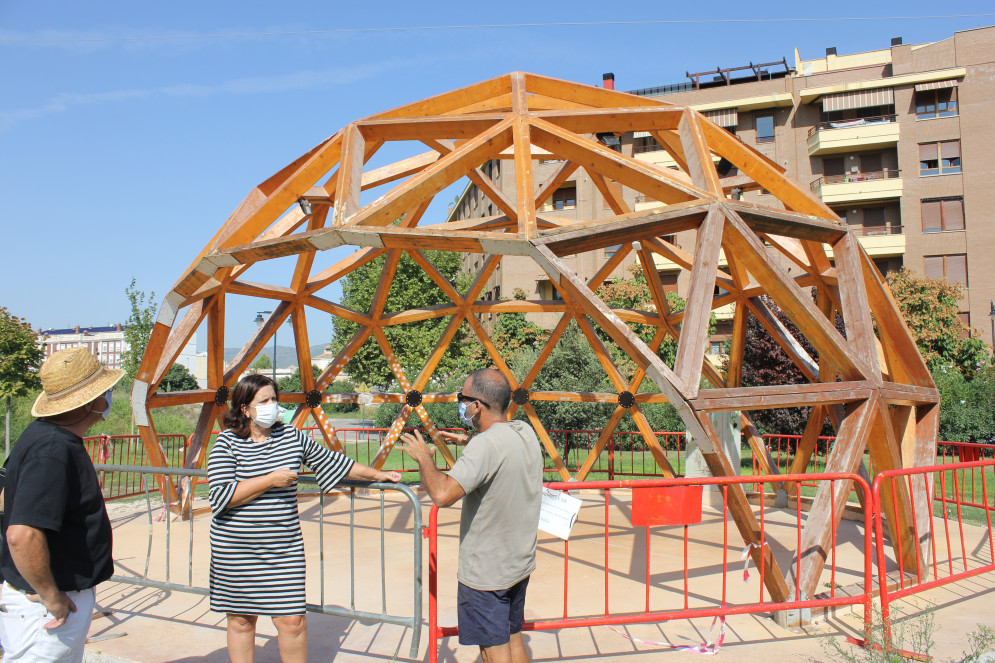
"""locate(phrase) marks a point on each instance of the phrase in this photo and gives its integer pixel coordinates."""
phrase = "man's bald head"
(490, 385)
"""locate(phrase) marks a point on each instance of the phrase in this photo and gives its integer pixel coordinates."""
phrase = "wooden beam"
(434, 178)
(671, 142)
(856, 307)
(490, 190)
(797, 304)
(778, 396)
(256, 343)
(827, 507)
(549, 187)
(595, 157)
(896, 503)
(350, 176)
(770, 176)
(611, 192)
(905, 361)
(697, 314)
(741, 510)
(784, 338)
(661, 375)
(524, 193)
(700, 166)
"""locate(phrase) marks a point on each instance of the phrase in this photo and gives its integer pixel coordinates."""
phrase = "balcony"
(859, 186)
(866, 133)
(879, 241)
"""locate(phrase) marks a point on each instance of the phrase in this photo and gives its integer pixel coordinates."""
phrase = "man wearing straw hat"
(56, 535)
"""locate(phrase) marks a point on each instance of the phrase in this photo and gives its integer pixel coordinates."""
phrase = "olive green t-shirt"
(501, 473)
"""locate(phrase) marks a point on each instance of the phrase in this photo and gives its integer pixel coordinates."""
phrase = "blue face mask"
(467, 421)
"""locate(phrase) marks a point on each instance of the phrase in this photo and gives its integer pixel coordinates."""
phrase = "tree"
(20, 359)
(410, 288)
(930, 309)
(966, 413)
(178, 378)
(137, 329)
(263, 363)
(634, 294)
(293, 383)
(765, 363)
(511, 334)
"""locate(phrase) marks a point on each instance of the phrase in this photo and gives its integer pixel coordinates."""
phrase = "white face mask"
(106, 413)
(266, 414)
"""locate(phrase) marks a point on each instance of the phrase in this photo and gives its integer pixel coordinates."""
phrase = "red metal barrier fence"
(962, 503)
(362, 444)
(700, 591)
(129, 450)
(626, 453)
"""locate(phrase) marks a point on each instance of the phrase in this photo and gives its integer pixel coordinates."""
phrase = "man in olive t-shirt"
(499, 475)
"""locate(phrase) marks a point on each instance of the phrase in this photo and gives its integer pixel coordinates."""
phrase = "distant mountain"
(286, 355)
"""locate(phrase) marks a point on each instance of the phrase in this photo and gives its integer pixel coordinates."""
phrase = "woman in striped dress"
(257, 551)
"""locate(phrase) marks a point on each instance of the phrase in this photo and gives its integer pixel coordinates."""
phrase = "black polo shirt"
(52, 486)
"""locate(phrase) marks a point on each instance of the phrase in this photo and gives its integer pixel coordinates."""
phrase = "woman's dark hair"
(244, 392)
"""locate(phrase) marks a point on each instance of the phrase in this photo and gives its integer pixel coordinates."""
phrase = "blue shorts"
(490, 618)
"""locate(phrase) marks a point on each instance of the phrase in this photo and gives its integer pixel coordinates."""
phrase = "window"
(669, 281)
(765, 128)
(939, 158)
(888, 265)
(715, 347)
(832, 168)
(874, 223)
(612, 250)
(940, 214)
(965, 319)
(565, 198)
(645, 144)
(950, 268)
(936, 103)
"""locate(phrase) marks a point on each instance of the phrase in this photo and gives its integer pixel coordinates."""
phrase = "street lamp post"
(260, 321)
(991, 314)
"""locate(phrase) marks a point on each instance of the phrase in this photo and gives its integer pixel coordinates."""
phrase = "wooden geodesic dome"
(872, 383)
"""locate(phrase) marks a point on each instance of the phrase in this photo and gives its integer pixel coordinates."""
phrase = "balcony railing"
(886, 174)
(848, 124)
(876, 231)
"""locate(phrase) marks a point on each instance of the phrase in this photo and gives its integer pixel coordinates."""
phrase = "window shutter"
(953, 215)
(933, 267)
(950, 149)
(931, 216)
(957, 269)
(927, 152)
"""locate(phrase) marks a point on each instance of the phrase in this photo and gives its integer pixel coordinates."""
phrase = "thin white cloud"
(300, 80)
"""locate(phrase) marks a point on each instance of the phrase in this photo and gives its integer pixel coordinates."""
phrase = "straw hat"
(71, 378)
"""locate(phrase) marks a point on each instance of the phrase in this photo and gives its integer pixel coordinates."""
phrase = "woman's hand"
(282, 478)
(393, 477)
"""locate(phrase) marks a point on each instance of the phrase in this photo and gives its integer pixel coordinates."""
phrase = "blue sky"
(129, 131)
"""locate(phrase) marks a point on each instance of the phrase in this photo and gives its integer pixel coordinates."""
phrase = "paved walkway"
(153, 625)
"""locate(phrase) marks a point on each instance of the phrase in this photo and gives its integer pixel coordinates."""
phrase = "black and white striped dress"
(257, 551)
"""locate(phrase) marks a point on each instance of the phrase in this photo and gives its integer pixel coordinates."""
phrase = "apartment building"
(894, 140)
(106, 343)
